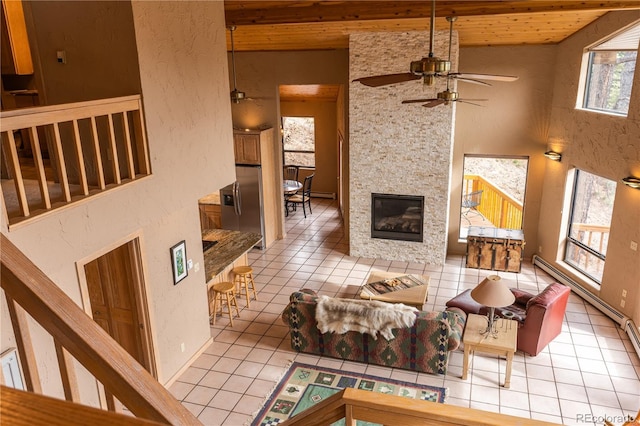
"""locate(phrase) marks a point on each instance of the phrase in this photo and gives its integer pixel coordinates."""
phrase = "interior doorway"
(116, 300)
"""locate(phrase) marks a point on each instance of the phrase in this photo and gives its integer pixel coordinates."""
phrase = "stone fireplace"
(397, 217)
(396, 148)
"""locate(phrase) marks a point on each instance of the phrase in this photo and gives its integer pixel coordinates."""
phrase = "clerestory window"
(609, 71)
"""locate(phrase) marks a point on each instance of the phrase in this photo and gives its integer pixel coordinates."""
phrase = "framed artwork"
(179, 262)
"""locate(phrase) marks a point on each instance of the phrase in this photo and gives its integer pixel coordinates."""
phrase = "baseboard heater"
(625, 323)
(331, 195)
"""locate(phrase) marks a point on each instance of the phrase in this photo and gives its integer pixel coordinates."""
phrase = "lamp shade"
(492, 292)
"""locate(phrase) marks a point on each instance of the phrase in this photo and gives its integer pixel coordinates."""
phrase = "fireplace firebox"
(397, 217)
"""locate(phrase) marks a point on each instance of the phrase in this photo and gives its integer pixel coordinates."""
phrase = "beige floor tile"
(590, 352)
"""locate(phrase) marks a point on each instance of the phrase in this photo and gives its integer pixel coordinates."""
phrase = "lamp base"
(491, 329)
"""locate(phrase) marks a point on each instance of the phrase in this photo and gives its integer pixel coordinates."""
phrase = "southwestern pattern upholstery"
(424, 347)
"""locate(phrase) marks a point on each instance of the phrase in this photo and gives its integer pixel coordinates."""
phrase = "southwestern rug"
(304, 385)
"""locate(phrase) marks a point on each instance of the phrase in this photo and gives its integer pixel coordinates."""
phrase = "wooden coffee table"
(504, 344)
(414, 296)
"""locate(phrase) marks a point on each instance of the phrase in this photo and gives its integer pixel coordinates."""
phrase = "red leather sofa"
(540, 316)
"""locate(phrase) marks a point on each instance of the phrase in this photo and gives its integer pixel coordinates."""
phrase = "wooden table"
(415, 296)
(503, 344)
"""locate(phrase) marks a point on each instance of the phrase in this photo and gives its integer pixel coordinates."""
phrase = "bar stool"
(223, 292)
(244, 280)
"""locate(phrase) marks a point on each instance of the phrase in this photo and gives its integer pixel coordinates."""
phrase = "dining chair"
(303, 197)
(291, 172)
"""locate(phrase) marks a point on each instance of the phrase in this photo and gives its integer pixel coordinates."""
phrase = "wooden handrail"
(86, 341)
(355, 404)
(19, 408)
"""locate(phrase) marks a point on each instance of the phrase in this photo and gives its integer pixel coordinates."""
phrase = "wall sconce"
(632, 182)
(552, 155)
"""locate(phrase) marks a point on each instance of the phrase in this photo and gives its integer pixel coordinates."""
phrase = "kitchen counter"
(231, 246)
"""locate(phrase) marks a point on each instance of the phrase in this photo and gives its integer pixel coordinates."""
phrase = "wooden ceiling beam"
(239, 12)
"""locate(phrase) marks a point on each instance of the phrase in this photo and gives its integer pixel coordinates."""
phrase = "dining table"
(290, 187)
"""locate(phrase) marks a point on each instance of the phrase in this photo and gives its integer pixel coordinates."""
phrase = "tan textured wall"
(514, 121)
(395, 148)
(606, 145)
(326, 140)
(184, 77)
(99, 40)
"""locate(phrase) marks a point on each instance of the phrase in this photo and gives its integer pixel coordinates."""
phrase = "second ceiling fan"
(431, 67)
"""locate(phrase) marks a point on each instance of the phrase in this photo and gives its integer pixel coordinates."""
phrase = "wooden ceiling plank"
(238, 12)
(538, 28)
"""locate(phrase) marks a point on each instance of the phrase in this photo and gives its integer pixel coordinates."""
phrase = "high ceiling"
(326, 24)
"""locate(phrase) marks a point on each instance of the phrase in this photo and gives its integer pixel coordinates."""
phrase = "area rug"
(304, 385)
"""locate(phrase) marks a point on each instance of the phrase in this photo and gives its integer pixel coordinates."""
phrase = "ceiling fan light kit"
(236, 95)
(430, 68)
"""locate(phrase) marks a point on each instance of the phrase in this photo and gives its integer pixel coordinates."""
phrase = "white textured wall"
(395, 148)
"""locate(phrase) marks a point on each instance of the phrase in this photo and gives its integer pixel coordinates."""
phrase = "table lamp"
(492, 293)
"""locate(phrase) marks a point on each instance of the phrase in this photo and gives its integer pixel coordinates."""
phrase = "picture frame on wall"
(179, 262)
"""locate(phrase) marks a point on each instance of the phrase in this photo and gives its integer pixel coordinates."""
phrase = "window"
(493, 191)
(589, 223)
(609, 74)
(299, 141)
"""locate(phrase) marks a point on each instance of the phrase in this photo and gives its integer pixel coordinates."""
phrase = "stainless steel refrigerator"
(241, 202)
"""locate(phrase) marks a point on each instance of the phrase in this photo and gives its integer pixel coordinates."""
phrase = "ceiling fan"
(236, 95)
(432, 67)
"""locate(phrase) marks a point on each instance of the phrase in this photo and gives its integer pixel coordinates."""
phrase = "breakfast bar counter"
(223, 251)
(229, 247)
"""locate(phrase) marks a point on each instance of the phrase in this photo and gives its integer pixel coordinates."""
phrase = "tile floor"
(591, 370)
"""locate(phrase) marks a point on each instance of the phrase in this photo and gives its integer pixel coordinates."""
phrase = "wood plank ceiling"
(326, 24)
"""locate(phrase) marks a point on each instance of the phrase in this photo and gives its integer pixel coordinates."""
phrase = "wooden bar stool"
(223, 292)
(244, 280)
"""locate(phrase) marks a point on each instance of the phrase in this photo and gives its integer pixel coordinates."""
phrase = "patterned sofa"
(424, 347)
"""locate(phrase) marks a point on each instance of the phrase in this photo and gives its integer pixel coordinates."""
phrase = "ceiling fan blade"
(433, 103)
(383, 80)
(471, 80)
(494, 77)
(415, 101)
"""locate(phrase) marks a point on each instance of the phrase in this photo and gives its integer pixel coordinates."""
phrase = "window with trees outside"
(609, 74)
(493, 190)
(589, 223)
(299, 141)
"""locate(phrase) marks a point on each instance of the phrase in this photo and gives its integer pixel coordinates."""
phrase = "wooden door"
(113, 281)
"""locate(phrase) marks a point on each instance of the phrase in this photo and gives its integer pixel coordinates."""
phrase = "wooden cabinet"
(246, 147)
(210, 216)
(15, 51)
(258, 147)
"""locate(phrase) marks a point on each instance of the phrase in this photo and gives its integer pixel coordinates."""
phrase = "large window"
(609, 74)
(589, 223)
(299, 141)
(493, 191)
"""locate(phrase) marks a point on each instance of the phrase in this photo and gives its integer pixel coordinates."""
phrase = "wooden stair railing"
(29, 291)
(355, 404)
(19, 408)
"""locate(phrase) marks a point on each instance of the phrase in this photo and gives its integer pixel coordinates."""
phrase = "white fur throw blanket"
(364, 316)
